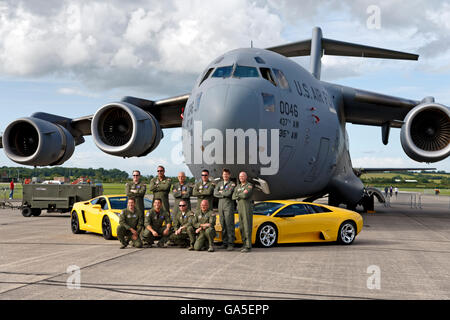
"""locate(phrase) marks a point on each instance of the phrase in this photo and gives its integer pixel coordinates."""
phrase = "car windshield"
(266, 208)
(118, 203)
(147, 204)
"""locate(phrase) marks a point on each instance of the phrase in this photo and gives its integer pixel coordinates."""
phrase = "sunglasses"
(159, 170)
(204, 175)
(182, 205)
(136, 175)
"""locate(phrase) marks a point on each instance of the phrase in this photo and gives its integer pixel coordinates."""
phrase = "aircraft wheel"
(75, 224)
(347, 233)
(267, 235)
(106, 229)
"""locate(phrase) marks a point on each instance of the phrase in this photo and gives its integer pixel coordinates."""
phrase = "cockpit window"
(245, 72)
(284, 84)
(206, 75)
(267, 74)
(223, 72)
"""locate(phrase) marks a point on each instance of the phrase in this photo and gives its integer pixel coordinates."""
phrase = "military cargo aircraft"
(253, 110)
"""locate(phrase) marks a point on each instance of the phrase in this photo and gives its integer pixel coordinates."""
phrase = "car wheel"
(347, 233)
(26, 212)
(75, 224)
(267, 235)
(106, 228)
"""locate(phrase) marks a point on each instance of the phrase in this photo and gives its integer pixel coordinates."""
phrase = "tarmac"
(403, 252)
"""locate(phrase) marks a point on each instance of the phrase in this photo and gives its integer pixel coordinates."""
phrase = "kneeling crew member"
(130, 226)
(181, 224)
(154, 225)
(203, 224)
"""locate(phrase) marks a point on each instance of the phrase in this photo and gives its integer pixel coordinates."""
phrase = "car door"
(294, 223)
(299, 225)
(97, 214)
(324, 220)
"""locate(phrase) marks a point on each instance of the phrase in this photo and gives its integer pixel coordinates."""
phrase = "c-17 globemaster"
(253, 110)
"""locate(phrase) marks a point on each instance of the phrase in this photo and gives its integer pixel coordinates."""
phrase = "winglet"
(318, 46)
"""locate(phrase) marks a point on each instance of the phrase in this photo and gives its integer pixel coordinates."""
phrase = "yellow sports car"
(100, 215)
(293, 221)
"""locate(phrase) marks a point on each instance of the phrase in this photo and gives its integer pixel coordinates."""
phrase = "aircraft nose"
(229, 117)
(230, 106)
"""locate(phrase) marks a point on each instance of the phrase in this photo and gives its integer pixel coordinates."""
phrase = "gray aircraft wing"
(370, 108)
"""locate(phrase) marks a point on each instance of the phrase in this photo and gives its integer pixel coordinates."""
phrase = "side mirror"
(97, 206)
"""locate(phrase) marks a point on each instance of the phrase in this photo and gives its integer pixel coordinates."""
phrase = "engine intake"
(425, 135)
(36, 142)
(122, 129)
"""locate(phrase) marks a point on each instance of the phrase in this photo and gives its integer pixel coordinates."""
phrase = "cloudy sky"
(72, 57)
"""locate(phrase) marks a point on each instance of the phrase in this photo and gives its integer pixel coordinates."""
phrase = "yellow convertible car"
(293, 222)
(100, 215)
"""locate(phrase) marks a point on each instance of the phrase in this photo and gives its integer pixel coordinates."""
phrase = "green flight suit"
(158, 222)
(128, 220)
(206, 235)
(181, 192)
(137, 191)
(204, 191)
(224, 191)
(161, 189)
(182, 220)
(243, 195)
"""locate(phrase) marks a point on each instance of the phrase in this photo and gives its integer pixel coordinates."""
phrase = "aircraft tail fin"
(318, 46)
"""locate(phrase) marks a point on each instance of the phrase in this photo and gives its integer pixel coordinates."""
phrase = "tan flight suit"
(224, 191)
(206, 235)
(243, 194)
(161, 189)
(204, 191)
(140, 190)
(128, 220)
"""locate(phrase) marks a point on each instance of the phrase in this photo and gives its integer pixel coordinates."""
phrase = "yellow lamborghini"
(293, 222)
(100, 215)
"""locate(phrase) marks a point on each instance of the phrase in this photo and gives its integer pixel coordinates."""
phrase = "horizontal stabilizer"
(341, 48)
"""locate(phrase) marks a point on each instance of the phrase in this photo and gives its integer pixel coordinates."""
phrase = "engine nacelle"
(122, 129)
(425, 134)
(36, 142)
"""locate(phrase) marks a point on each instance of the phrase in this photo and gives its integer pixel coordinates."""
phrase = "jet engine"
(425, 134)
(122, 129)
(36, 142)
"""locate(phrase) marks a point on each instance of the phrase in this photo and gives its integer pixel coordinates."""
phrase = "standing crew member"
(224, 191)
(130, 226)
(136, 190)
(243, 193)
(181, 191)
(203, 224)
(204, 190)
(154, 225)
(160, 186)
(182, 221)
